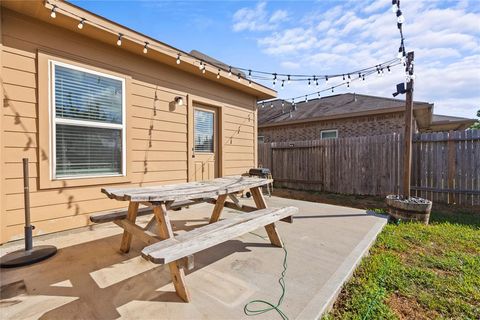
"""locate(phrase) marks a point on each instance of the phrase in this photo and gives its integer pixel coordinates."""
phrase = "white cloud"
(258, 18)
(290, 65)
(288, 41)
(359, 33)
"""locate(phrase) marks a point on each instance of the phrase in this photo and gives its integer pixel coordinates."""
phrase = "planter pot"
(411, 209)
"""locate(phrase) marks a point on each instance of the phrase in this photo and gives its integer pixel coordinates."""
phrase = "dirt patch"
(353, 201)
(409, 308)
(362, 202)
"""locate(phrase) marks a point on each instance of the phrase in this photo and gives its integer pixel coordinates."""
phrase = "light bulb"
(119, 41)
(249, 83)
(145, 50)
(306, 98)
(80, 24)
(394, 8)
(288, 79)
(229, 71)
(178, 58)
(218, 74)
(238, 77)
(53, 14)
(400, 17)
(326, 78)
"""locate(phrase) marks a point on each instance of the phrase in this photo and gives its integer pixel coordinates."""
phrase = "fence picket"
(445, 166)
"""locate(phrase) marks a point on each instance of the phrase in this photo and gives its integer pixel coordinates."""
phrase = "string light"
(400, 17)
(204, 69)
(343, 77)
(253, 74)
(249, 83)
(53, 14)
(218, 74)
(239, 77)
(119, 41)
(309, 82)
(80, 24)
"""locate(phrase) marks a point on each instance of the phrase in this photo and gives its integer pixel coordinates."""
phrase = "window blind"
(204, 131)
(87, 96)
(88, 123)
(86, 151)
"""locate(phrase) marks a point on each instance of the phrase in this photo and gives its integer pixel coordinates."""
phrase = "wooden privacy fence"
(445, 165)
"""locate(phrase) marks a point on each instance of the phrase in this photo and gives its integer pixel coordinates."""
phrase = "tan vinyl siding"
(158, 150)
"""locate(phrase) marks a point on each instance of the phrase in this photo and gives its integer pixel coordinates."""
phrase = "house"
(92, 103)
(347, 115)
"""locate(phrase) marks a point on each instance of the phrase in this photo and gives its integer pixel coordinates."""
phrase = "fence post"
(451, 167)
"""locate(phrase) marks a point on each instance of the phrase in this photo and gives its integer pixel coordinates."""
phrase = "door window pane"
(204, 131)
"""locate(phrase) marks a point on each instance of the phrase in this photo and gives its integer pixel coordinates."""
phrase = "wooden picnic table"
(163, 199)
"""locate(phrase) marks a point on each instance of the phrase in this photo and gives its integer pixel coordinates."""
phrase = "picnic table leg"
(165, 231)
(127, 236)
(270, 228)
(217, 210)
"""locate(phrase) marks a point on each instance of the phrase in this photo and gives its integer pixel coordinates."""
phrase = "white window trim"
(329, 131)
(86, 123)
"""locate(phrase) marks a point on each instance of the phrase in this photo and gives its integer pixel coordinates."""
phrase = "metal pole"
(407, 160)
(26, 199)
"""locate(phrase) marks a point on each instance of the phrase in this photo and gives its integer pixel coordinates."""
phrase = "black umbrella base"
(22, 257)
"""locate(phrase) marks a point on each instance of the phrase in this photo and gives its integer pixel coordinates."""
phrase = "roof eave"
(40, 10)
(347, 115)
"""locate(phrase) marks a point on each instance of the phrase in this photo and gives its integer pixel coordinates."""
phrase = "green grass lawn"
(413, 271)
(418, 272)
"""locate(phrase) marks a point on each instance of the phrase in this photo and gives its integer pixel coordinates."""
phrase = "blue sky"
(318, 37)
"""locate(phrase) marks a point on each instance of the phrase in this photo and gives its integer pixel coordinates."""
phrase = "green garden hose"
(270, 306)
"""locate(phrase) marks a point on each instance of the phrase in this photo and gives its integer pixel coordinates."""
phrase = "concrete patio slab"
(90, 279)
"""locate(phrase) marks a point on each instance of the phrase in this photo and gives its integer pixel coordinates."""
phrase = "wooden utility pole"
(407, 160)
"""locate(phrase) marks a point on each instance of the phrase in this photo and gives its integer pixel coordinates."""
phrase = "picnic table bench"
(167, 248)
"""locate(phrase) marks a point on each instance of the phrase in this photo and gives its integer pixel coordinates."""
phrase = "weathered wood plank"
(208, 236)
(186, 191)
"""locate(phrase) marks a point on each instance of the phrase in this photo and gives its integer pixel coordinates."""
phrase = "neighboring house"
(90, 113)
(347, 115)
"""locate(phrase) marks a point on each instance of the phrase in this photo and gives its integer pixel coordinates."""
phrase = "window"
(329, 134)
(204, 131)
(88, 126)
(261, 139)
